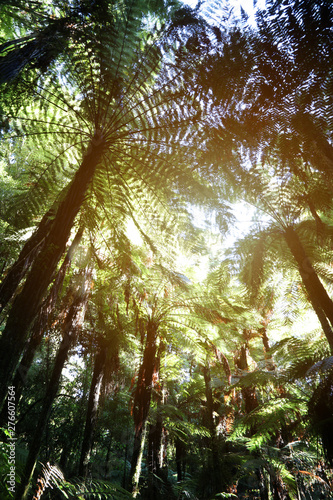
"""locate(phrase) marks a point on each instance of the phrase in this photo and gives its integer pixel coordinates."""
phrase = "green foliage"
(93, 490)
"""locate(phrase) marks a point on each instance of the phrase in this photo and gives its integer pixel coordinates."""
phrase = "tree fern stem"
(209, 422)
(41, 324)
(28, 253)
(139, 454)
(142, 399)
(27, 303)
(40, 48)
(71, 326)
(91, 417)
(318, 296)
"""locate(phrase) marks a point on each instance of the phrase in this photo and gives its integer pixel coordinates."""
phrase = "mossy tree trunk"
(248, 393)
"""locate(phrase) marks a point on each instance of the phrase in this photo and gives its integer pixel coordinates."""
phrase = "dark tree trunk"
(248, 393)
(142, 397)
(40, 326)
(43, 318)
(27, 255)
(27, 303)
(39, 48)
(107, 458)
(157, 442)
(265, 341)
(214, 465)
(72, 440)
(154, 467)
(91, 417)
(72, 324)
(277, 487)
(209, 414)
(319, 298)
(155, 438)
(180, 459)
(224, 362)
(263, 486)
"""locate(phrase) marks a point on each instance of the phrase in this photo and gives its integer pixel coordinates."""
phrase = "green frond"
(93, 489)
(268, 418)
(298, 355)
(185, 429)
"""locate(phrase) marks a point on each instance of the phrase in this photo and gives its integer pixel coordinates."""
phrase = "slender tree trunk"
(317, 294)
(263, 486)
(214, 458)
(73, 439)
(209, 413)
(154, 446)
(157, 465)
(180, 459)
(27, 303)
(277, 487)
(39, 327)
(139, 445)
(91, 417)
(224, 362)
(142, 399)
(124, 481)
(72, 323)
(107, 458)
(268, 356)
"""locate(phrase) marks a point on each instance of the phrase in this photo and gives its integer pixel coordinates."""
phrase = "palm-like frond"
(51, 477)
(93, 489)
(119, 84)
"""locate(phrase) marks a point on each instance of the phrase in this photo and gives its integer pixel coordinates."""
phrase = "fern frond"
(51, 477)
(93, 490)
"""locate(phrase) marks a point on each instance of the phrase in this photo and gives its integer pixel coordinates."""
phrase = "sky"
(246, 4)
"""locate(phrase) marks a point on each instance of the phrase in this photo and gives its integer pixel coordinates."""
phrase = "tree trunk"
(91, 417)
(139, 445)
(248, 393)
(28, 253)
(39, 48)
(142, 399)
(72, 440)
(317, 294)
(27, 303)
(72, 323)
(214, 465)
(180, 459)
(43, 319)
(154, 446)
(157, 442)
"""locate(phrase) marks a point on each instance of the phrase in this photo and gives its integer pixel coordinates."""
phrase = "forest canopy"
(150, 349)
